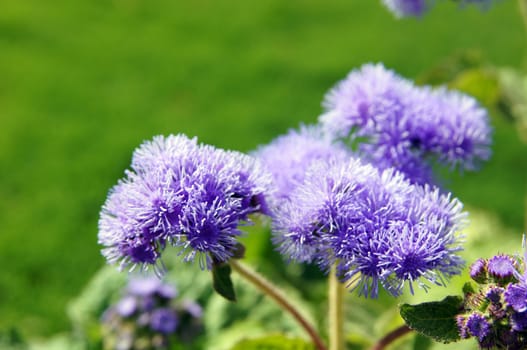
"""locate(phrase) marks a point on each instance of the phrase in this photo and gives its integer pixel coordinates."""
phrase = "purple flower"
(519, 321)
(516, 297)
(289, 156)
(164, 320)
(494, 294)
(478, 326)
(397, 124)
(148, 316)
(375, 225)
(461, 322)
(182, 194)
(126, 306)
(416, 8)
(192, 308)
(407, 8)
(478, 270)
(501, 267)
(498, 310)
(149, 286)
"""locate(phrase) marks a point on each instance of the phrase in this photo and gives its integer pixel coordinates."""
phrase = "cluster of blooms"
(370, 211)
(147, 318)
(397, 124)
(355, 190)
(497, 313)
(184, 194)
(374, 225)
(416, 8)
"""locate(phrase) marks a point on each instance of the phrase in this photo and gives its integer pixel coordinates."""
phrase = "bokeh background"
(82, 83)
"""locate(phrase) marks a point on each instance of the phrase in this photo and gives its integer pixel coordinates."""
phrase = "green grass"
(83, 83)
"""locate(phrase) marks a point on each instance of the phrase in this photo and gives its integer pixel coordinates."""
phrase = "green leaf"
(221, 281)
(273, 342)
(434, 319)
(421, 342)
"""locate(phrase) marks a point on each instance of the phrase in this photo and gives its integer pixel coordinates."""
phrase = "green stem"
(391, 337)
(279, 297)
(336, 312)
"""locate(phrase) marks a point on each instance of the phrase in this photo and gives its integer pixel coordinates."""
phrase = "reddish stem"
(391, 337)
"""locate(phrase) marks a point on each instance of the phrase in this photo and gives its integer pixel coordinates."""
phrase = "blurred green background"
(82, 83)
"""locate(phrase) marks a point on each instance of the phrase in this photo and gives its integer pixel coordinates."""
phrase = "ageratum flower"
(417, 8)
(407, 8)
(478, 326)
(501, 266)
(374, 225)
(148, 316)
(289, 156)
(496, 313)
(182, 194)
(397, 124)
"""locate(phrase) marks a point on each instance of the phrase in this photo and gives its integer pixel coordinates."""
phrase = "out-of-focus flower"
(374, 225)
(183, 194)
(148, 317)
(417, 8)
(407, 8)
(397, 124)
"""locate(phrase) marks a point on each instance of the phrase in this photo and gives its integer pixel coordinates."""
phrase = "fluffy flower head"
(183, 194)
(376, 226)
(397, 124)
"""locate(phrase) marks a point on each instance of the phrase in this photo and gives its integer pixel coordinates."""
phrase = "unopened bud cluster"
(496, 314)
(148, 317)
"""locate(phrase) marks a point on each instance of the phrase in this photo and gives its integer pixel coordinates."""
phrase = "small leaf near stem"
(221, 281)
(279, 297)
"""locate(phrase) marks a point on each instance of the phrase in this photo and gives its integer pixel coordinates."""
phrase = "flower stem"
(391, 337)
(336, 319)
(279, 297)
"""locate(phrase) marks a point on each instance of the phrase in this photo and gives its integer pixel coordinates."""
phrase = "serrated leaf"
(434, 319)
(221, 281)
(273, 342)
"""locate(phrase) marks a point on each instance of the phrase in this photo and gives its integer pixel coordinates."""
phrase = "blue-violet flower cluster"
(373, 224)
(496, 313)
(394, 123)
(148, 317)
(417, 8)
(184, 194)
(407, 8)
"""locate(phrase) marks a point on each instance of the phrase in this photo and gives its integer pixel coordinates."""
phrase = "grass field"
(83, 83)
